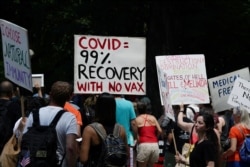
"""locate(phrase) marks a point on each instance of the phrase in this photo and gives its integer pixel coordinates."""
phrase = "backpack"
(244, 150)
(114, 150)
(5, 127)
(39, 144)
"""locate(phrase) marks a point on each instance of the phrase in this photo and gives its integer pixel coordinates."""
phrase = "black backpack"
(114, 150)
(5, 127)
(39, 144)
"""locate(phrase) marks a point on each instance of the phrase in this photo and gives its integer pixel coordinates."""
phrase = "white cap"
(189, 111)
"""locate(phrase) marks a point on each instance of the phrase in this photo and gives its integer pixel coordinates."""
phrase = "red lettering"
(10, 33)
(115, 87)
(81, 43)
(94, 43)
(90, 86)
(134, 87)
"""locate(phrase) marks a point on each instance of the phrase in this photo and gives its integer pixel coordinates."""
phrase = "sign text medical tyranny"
(100, 69)
(15, 54)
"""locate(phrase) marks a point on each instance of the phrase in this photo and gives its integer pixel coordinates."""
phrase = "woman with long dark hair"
(207, 148)
(91, 146)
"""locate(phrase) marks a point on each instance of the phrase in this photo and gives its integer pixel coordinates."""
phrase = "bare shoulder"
(88, 130)
(153, 117)
(90, 134)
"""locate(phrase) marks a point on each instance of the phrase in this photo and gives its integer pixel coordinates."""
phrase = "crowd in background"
(199, 125)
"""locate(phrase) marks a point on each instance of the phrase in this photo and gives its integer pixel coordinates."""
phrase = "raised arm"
(186, 126)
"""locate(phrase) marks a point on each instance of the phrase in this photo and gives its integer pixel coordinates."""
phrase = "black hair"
(141, 108)
(106, 109)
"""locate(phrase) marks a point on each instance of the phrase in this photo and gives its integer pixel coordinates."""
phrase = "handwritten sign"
(163, 85)
(240, 95)
(221, 86)
(17, 67)
(186, 77)
(109, 64)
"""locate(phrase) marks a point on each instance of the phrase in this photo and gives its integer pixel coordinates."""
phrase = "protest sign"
(16, 59)
(240, 95)
(110, 64)
(163, 85)
(186, 77)
(38, 79)
(221, 86)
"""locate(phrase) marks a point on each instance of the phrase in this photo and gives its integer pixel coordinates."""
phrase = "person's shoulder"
(207, 143)
(152, 117)
(68, 114)
(5, 101)
(235, 130)
(13, 106)
(235, 127)
(89, 129)
(69, 107)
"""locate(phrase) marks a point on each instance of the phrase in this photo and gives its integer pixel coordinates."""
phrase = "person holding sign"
(207, 148)
(40, 92)
(181, 137)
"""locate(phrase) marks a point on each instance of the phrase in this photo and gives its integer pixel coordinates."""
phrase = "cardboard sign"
(16, 58)
(221, 86)
(186, 77)
(110, 64)
(240, 95)
(165, 96)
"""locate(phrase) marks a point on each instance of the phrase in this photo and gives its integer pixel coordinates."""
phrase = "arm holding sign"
(186, 126)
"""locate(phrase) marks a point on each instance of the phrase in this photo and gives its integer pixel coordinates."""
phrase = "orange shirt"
(74, 111)
(235, 133)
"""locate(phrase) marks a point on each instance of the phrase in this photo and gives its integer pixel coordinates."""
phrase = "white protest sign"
(38, 79)
(163, 85)
(221, 86)
(240, 95)
(186, 77)
(110, 64)
(17, 67)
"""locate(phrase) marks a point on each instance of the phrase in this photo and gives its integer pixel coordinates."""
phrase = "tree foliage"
(218, 29)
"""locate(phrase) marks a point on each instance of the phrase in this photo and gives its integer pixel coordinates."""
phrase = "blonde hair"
(244, 115)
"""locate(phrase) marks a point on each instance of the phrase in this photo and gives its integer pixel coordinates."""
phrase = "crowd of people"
(79, 145)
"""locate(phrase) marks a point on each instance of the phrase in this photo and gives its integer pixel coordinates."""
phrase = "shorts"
(148, 152)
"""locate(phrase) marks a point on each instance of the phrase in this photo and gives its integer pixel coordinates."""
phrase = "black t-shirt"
(12, 115)
(202, 152)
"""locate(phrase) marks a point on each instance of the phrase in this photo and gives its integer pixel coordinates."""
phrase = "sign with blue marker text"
(16, 59)
(221, 86)
(110, 64)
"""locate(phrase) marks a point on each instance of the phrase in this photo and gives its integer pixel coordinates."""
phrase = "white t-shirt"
(67, 124)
